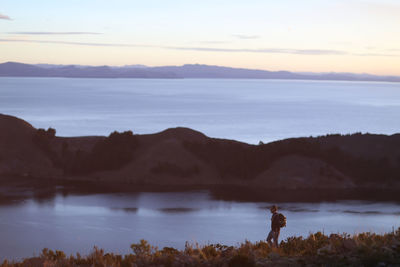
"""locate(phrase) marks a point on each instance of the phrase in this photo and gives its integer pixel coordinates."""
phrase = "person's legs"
(276, 237)
(270, 236)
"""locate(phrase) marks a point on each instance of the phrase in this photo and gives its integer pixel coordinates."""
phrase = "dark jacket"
(275, 222)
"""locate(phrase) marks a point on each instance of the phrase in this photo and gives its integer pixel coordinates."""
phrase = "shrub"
(240, 260)
(43, 139)
(110, 153)
(366, 249)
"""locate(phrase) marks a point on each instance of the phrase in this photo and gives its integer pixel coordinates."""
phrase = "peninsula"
(332, 167)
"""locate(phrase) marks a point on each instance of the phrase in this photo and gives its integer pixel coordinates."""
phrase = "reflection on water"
(76, 223)
(177, 210)
(126, 209)
(371, 212)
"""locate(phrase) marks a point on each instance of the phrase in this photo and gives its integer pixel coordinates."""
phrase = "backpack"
(281, 220)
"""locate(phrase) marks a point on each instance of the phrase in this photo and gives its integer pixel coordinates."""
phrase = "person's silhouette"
(275, 227)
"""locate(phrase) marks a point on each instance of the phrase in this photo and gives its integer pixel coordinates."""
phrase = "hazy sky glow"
(310, 35)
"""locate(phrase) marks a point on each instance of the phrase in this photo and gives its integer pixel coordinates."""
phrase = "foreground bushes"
(366, 249)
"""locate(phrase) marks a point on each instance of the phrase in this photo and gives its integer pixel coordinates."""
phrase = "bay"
(77, 223)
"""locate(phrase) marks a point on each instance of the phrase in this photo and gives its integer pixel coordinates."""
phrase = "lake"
(76, 223)
(245, 110)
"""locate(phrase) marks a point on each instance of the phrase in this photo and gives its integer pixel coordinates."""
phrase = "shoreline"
(20, 189)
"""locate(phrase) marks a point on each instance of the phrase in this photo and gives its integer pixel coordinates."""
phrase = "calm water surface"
(246, 110)
(114, 221)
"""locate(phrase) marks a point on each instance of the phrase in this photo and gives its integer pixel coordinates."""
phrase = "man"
(275, 227)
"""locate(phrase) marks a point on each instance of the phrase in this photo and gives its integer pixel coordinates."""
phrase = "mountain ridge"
(15, 69)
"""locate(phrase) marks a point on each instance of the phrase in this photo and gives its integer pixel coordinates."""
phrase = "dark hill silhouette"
(207, 71)
(13, 69)
(327, 167)
(19, 69)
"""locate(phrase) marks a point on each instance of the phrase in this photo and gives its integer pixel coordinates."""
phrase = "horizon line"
(143, 66)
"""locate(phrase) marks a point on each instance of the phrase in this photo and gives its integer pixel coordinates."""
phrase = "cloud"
(262, 50)
(5, 17)
(375, 55)
(55, 33)
(379, 8)
(214, 42)
(73, 43)
(242, 36)
(310, 52)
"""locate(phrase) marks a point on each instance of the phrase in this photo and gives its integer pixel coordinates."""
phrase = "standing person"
(275, 226)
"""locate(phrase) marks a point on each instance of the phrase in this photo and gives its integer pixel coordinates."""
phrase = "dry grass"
(366, 249)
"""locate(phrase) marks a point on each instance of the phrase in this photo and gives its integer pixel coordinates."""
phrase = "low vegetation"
(366, 249)
(109, 153)
(364, 158)
(234, 159)
(43, 138)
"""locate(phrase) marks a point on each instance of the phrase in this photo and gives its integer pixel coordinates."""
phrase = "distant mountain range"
(14, 69)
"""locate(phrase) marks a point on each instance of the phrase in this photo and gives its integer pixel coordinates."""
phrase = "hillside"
(332, 166)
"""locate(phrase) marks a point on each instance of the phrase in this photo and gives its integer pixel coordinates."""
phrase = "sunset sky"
(311, 35)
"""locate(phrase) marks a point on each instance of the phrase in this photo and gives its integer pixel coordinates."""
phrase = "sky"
(360, 36)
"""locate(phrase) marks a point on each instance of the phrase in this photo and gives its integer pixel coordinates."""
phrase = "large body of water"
(114, 221)
(246, 110)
